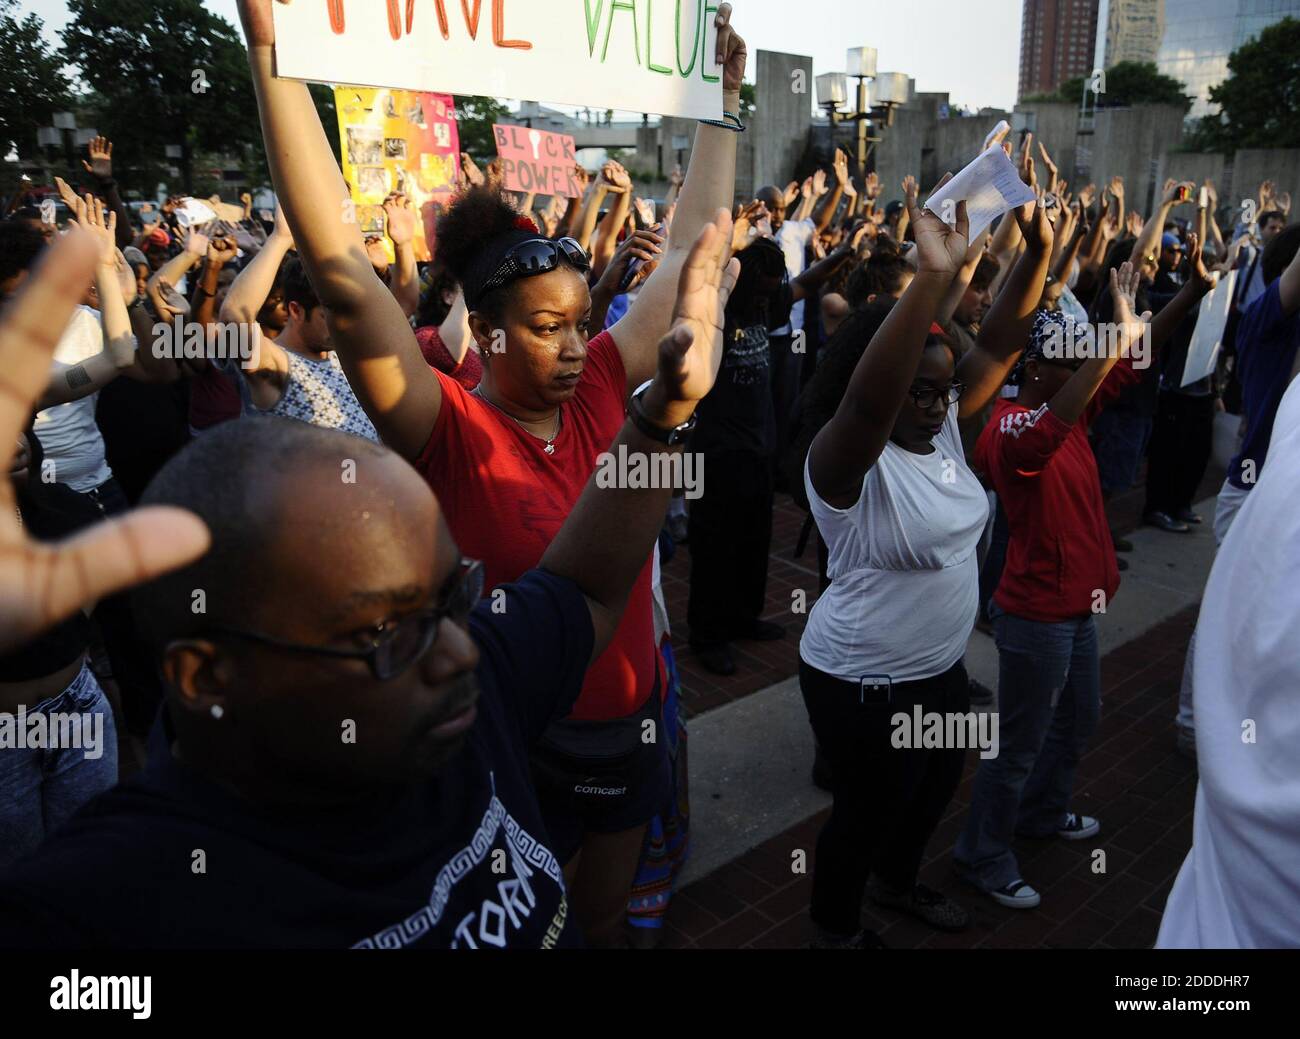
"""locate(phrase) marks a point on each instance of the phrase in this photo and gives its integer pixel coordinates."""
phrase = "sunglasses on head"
(537, 256)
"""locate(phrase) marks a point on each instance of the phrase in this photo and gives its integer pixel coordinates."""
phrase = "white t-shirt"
(793, 238)
(904, 576)
(67, 432)
(1240, 884)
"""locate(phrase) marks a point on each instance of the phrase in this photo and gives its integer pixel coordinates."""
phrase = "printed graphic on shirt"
(746, 362)
(1016, 422)
(512, 897)
(318, 393)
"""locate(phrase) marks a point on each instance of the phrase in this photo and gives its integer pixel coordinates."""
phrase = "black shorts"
(601, 776)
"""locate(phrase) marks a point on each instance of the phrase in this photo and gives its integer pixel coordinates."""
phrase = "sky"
(969, 48)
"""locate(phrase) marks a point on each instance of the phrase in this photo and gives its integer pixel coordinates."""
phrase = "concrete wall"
(954, 143)
(1056, 124)
(1129, 142)
(900, 150)
(778, 131)
(1193, 166)
(1251, 166)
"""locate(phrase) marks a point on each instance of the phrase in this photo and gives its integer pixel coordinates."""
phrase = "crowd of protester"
(388, 662)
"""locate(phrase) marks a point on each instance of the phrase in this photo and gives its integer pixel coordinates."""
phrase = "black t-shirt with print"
(170, 860)
(738, 414)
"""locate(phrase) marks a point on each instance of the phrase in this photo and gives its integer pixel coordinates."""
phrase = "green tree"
(1260, 100)
(1127, 83)
(32, 83)
(163, 72)
(475, 116)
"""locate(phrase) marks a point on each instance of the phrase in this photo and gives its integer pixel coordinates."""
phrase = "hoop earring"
(217, 711)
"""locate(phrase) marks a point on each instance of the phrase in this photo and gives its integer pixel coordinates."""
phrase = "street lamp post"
(875, 104)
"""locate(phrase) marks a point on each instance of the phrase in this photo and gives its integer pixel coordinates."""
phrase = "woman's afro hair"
(469, 224)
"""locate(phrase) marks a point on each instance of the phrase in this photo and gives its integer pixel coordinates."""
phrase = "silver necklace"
(550, 442)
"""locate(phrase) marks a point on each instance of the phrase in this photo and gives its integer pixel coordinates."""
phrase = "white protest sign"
(1211, 320)
(990, 186)
(653, 56)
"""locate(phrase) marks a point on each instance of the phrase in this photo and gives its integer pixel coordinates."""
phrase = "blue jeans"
(1049, 700)
(40, 787)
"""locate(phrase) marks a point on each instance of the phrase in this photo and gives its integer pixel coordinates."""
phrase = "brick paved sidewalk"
(1131, 779)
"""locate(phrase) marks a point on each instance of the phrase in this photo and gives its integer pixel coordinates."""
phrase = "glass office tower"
(1200, 34)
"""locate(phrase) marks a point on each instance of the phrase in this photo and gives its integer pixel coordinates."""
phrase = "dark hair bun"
(469, 224)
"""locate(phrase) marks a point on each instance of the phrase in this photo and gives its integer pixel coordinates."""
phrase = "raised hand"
(791, 195)
(100, 151)
(41, 583)
(222, 249)
(1175, 188)
(1087, 195)
(677, 178)
(1047, 159)
(90, 216)
(196, 243)
(873, 186)
(401, 219)
(1135, 224)
(582, 178)
(910, 190)
(1124, 284)
(689, 355)
(1282, 201)
(615, 177)
(841, 167)
(1201, 275)
(819, 185)
(806, 188)
(1035, 224)
(646, 246)
(940, 249)
(469, 168)
(731, 52)
(1116, 187)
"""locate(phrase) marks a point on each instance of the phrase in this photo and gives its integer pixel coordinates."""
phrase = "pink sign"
(535, 160)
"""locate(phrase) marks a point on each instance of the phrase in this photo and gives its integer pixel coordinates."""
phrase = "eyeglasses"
(537, 256)
(926, 397)
(395, 645)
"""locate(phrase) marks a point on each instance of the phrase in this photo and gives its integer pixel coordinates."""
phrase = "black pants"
(1181, 441)
(730, 536)
(887, 801)
(786, 370)
(133, 666)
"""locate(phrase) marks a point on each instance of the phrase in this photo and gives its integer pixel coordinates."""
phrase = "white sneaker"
(1078, 827)
(1016, 895)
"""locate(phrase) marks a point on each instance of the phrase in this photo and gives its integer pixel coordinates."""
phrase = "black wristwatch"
(672, 437)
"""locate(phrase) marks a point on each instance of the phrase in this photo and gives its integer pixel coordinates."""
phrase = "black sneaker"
(980, 694)
(763, 631)
(716, 659)
(926, 904)
(1164, 521)
(1187, 516)
(1121, 544)
(861, 940)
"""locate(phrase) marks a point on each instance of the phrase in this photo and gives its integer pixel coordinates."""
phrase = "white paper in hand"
(1211, 322)
(990, 186)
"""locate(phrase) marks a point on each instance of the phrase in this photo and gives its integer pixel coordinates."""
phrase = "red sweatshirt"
(1046, 480)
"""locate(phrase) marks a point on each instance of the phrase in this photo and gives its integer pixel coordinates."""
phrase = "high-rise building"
(1134, 30)
(1200, 34)
(1057, 40)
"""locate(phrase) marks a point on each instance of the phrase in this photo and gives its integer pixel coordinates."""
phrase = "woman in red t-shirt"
(509, 459)
(1060, 572)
